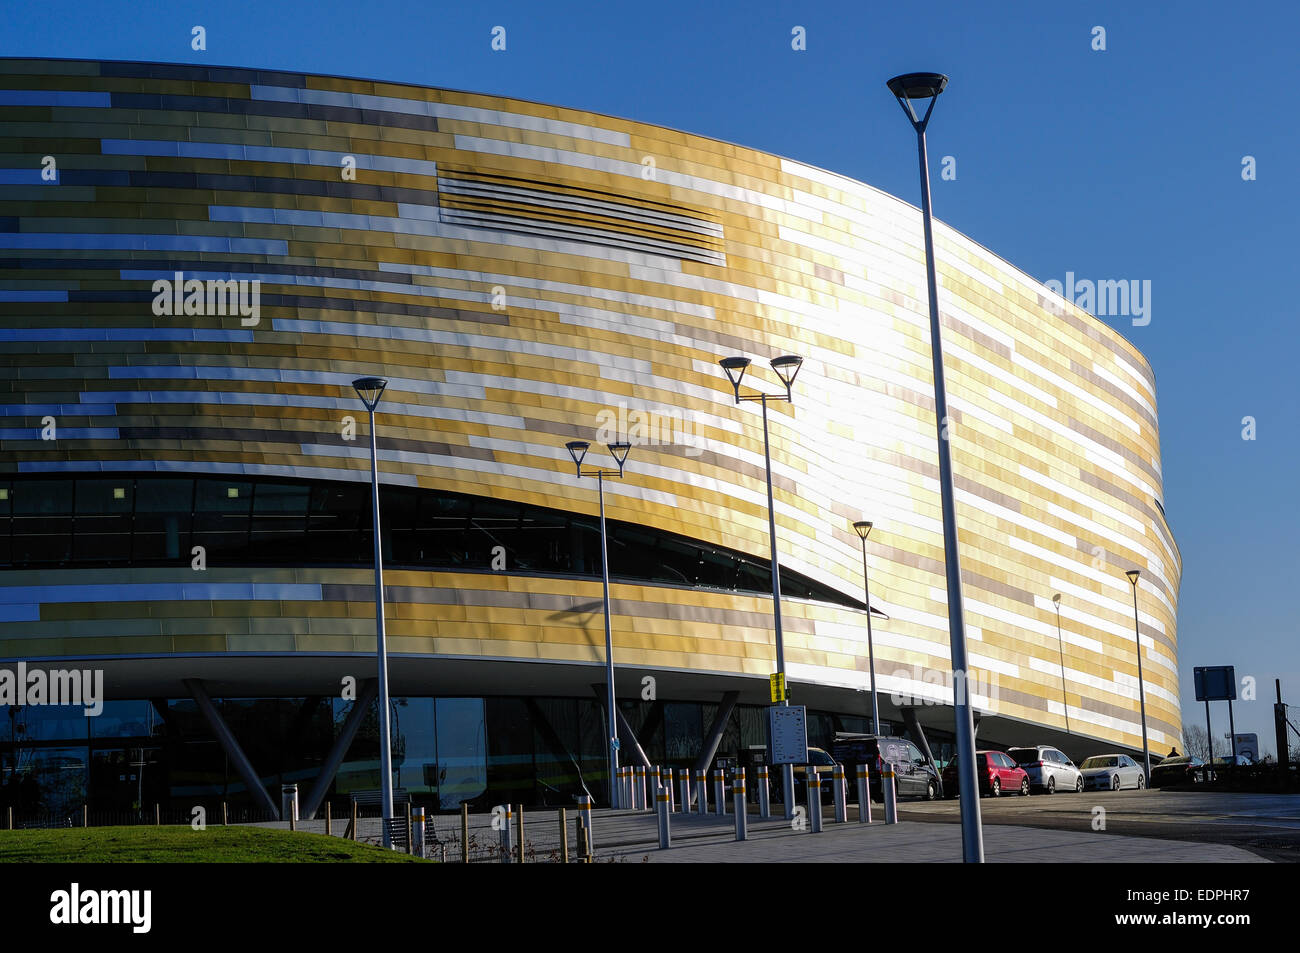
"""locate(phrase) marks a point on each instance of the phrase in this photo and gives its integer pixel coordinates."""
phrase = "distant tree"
(1196, 742)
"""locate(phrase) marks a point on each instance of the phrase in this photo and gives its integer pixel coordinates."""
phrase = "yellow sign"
(777, 680)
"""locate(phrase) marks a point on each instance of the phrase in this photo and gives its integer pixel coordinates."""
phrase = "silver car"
(1111, 772)
(1049, 770)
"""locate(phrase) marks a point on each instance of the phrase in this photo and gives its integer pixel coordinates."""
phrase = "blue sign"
(1215, 683)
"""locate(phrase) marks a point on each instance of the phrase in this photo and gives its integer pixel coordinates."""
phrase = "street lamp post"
(863, 528)
(1060, 647)
(619, 451)
(370, 389)
(787, 368)
(922, 86)
(1133, 575)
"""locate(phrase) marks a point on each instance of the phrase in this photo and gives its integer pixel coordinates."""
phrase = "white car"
(1111, 772)
(1048, 768)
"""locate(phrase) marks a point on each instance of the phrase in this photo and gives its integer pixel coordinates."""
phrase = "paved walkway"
(711, 840)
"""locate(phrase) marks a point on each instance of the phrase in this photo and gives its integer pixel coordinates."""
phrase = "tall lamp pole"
(1133, 575)
(370, 389)
(906, 88)
(619, 451)
(787, 368)
(1060, 647)
(863, 528)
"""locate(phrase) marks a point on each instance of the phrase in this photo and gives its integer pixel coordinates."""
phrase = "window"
(158, 520)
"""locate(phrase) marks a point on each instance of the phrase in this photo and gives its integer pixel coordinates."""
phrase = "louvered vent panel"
(584, 215)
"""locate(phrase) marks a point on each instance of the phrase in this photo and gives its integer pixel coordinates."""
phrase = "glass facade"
(449, 750)
(123, 521)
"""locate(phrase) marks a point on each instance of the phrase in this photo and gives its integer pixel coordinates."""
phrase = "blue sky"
(1117, 164)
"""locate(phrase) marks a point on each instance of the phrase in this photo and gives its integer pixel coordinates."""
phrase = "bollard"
(619, 800)
(564, 835)
(85, 813)
(661, 808)
(289, 805)
(742, 812)
(354, 803)
(329, 827)
(701, 792)
(666, 779)
(225, 817)
(507, 849)
(464, 821)
(417, 832)
(719, 791)
(840, 795)
(864, 794)
(520, 822)
(584, 820)
(584, 856)
(764, 793)
(638, 788)
(814, 801)
(407, 821)
(888, 794)
(157, 808)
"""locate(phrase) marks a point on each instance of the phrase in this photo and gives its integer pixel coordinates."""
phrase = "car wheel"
(1051, 786)
(1114, 782)
(931, 791)
(1078, 784)
(1142, 782)
(995, 789)
(1024, 788)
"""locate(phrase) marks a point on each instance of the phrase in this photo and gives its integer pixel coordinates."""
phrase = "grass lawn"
(240, 845)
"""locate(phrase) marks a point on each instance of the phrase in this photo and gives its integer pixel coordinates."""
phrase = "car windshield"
(815, 755)
(1185, 759)
(1024, 755)
(1100, 763)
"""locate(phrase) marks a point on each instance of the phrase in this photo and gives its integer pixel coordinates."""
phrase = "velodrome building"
(185, 487)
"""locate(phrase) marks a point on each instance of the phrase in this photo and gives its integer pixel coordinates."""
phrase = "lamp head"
(863, 527)
(370, 389)
(787, 368)
(1056, 600)
(920, 86)
(1133, 576)
(578, 450)
(619, 452)
(735, 368)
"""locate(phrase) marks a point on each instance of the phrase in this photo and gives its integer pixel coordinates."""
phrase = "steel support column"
(235, 753)
(368, 690)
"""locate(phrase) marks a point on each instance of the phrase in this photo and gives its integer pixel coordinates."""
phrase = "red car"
(996, 773)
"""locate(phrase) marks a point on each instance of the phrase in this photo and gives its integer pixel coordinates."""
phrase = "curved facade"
(525, 275)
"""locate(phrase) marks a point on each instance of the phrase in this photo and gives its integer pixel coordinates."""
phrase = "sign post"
(1215, 683)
